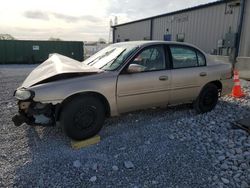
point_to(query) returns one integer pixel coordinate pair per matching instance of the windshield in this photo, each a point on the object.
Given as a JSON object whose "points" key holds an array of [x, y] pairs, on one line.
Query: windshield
{"points": [[110, 58]]}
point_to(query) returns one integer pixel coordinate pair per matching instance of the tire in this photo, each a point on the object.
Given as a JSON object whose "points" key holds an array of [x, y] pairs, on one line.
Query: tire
{"points": [[207, 99], [83, 117]]}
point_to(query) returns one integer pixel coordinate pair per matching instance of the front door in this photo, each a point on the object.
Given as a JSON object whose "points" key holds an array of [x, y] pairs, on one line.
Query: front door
{"points": [[147, 87]]}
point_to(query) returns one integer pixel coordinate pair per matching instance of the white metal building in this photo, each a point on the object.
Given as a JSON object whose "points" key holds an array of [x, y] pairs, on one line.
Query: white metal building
{"points": [[212, 27]]}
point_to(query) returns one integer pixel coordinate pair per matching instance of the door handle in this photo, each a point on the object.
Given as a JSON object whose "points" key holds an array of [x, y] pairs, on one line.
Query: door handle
{"points": [[163, 78], [203, 74]]}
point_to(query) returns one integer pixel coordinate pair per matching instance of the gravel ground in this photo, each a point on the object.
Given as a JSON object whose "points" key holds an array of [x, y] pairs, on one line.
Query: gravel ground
{"points": [[171, 147]]}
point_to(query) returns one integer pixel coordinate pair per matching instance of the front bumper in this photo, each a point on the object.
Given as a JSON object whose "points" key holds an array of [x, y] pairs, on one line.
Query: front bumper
{"points": [[19, 119], [33, 113]]}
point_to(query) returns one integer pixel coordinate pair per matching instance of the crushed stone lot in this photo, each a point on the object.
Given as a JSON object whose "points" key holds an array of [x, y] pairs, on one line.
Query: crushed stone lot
{"points": [[165, 147]]}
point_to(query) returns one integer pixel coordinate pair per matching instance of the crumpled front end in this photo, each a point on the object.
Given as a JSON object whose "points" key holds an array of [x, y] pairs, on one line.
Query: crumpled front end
{"points": [[31, 112], [56, 67]]}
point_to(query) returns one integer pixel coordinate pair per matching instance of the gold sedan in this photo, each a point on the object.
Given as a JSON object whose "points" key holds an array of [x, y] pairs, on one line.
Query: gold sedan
{"points": [[120, 78]]}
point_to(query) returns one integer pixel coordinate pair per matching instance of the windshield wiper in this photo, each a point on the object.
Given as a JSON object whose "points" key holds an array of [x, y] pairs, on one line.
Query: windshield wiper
{"points": [[102, 56], [107, 64]]}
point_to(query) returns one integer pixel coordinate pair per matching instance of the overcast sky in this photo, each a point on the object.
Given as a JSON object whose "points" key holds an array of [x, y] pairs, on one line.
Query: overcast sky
{"points": [[82, 20]]}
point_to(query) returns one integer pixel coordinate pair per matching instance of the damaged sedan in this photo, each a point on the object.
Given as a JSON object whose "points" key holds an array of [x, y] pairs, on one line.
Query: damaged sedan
{"points": [[121, 78]]}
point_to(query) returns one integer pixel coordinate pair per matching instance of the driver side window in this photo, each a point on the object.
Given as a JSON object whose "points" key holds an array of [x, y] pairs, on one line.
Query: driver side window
{"points": [[150, 59]]}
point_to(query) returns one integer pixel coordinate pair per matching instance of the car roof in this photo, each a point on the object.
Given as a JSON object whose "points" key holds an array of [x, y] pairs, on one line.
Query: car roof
{"points": [[152, 42]]}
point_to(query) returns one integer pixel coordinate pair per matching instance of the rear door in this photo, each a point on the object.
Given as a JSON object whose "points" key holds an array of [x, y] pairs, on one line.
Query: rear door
{"points": [[189, 73], [149, 87]]}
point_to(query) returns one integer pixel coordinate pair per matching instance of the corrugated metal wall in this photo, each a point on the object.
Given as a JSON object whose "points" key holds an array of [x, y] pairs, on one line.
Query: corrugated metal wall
{"points": [[202, 27], [135, 31], [245, 36], [24, 51]]}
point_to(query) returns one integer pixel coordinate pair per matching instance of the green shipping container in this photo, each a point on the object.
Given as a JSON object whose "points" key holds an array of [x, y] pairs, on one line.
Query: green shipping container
{"points": [[27, 51]]}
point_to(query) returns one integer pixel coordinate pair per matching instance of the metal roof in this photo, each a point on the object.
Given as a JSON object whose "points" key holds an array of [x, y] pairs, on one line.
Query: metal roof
{"points": [[177, 12]]}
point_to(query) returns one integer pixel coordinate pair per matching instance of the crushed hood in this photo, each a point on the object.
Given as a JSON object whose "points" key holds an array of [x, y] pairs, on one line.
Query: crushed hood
{"points": [[56, 65]]}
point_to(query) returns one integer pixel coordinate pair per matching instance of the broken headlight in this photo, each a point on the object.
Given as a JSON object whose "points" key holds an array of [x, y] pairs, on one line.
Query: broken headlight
{"points": [[24, 94]]}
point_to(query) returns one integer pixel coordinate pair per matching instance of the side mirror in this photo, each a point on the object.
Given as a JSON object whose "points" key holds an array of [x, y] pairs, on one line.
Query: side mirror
{"points": [[135, 68]]}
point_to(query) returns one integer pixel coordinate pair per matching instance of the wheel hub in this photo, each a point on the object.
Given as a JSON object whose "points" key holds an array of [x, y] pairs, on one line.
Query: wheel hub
{"points": [[85, 117], [208, 99]]}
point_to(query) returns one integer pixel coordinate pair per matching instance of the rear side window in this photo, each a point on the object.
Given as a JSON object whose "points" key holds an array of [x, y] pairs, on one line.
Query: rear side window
{"points": [[185, 57]]}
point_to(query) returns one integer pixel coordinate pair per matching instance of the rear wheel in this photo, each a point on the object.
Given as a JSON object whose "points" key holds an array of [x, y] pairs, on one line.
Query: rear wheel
{"points": [[83, 117], [207, 99]]}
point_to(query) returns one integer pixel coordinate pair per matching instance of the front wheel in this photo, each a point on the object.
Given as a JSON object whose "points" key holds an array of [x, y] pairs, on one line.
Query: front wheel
{"points": [[83, 117], [207, 99]]}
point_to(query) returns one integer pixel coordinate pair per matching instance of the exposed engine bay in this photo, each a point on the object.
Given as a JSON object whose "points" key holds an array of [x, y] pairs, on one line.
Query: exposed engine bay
{"points": [[35, 113]]}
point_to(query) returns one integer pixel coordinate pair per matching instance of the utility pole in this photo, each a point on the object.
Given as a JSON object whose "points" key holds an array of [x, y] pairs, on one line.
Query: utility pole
{"points": [[239, 31], [110, 31]]}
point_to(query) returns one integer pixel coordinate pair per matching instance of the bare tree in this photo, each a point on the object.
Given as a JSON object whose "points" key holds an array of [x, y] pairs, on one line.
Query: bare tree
{"points": [[102, 41], [55, 39], [6, 37]]}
